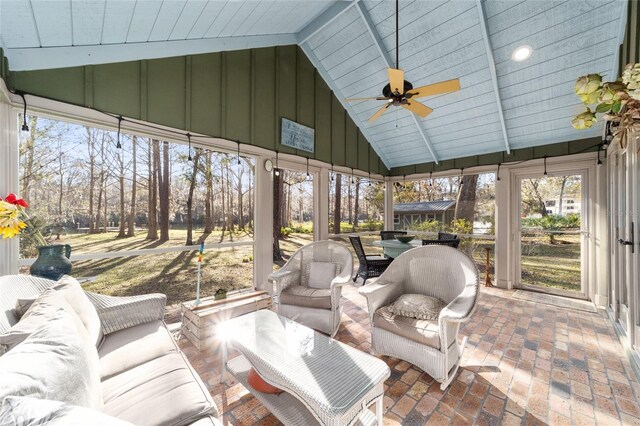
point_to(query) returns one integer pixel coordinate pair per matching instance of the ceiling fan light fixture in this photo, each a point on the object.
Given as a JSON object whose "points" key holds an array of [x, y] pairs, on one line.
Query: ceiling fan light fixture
{"points": [[522, 53]]}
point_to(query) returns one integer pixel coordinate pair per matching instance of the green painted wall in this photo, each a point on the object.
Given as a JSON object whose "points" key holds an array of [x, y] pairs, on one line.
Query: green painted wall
{"points": [[239, 95], [524, 154]]}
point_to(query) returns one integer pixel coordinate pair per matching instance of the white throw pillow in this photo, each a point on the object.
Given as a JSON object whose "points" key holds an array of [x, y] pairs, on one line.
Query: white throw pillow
{"points": [[26, 411], [417, 306], [43, 308], [57, 361], [321, 274], [72, 291]]}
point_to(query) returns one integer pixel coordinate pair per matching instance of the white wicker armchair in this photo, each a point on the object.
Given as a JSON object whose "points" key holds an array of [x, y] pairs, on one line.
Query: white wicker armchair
{"points": [[317, 308], [437, 271]]}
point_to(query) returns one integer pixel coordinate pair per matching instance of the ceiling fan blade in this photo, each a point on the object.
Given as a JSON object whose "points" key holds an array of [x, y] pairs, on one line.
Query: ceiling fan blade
{"points": [[378, 113], [435, 89], [416, 107], [378, 98], [396, 80]]}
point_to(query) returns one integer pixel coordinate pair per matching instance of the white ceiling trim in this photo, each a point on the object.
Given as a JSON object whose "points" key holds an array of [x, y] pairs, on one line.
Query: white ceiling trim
{"points": [[325, 76], [492, 70], [364, 15], [326, 18], [37, 58]]}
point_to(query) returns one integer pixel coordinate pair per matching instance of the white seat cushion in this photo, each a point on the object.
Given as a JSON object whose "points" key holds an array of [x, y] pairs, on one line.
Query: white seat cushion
{"points": [[425, 332], [128, 348], [163, 391]]}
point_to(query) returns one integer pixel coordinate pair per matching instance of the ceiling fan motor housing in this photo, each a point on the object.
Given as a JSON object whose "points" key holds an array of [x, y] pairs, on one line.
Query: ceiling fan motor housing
{"points": [[386, 90]]}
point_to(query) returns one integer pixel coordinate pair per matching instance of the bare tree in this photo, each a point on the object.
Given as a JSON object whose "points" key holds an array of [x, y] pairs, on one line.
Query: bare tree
{"points": [[164, 193], [337, 205], [356, 206], [131, 231], [208, 210], [154, 161], [120, 161], [278, 193], [29, 155], [192, 186], [466, 202]]}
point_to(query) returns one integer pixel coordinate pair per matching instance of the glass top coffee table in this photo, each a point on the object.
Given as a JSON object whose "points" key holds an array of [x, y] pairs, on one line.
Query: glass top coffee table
{"points": [[325, 381]]}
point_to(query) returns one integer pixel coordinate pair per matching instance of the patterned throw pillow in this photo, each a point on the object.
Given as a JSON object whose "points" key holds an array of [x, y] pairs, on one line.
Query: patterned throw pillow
{"points": [[417, 306]]}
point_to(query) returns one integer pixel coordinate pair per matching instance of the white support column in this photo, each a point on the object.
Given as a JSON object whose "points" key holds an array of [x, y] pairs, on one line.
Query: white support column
{"points": [[263, 226], [601, 238], [9, 157], [388, 205], [322, 218], [503, 257]]}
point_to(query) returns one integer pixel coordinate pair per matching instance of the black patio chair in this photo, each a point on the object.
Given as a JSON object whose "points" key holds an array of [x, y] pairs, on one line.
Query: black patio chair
{"points": [[451, 243], [370, 265], [391, 235], [446, 236]]}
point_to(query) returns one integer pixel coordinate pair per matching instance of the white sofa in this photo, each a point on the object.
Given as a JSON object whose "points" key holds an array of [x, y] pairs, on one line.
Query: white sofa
{"points": [[144, 378]]}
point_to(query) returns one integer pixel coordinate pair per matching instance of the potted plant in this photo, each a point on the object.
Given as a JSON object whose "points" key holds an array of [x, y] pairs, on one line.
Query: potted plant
{"points": [[618, 100], [53, 260]]}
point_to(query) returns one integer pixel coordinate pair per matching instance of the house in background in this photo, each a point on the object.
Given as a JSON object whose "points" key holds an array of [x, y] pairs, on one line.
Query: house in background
{"points": [[408, 215], [568, 206]]}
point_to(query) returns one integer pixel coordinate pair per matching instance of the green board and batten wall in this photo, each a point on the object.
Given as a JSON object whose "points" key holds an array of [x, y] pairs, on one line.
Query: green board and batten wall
{"points": [[238, 95]]}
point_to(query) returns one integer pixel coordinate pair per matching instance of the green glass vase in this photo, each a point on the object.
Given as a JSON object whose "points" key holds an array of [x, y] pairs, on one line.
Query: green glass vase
{"points": [[52, 262]]}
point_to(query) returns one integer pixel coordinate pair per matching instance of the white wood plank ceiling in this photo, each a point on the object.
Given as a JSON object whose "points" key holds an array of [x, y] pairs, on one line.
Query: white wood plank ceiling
{"points": [[502, 105]]}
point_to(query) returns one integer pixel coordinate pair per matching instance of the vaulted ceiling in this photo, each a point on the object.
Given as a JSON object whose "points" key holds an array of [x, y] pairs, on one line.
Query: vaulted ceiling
{"points": [[502, 105]]}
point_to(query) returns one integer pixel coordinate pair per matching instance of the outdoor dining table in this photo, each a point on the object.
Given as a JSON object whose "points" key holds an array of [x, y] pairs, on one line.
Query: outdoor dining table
{"points": [[394, 248]]}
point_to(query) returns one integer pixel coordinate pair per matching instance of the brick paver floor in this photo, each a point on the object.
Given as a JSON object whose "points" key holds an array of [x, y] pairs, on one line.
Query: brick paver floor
{"points": [[525, 363]]}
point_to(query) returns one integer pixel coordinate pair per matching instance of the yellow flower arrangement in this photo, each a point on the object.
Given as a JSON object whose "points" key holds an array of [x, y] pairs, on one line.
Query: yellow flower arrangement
{"points": [[14, 219]]}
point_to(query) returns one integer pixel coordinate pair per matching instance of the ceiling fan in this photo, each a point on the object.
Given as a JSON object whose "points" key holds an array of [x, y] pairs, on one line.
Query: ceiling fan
{"points": [[400, 92]]}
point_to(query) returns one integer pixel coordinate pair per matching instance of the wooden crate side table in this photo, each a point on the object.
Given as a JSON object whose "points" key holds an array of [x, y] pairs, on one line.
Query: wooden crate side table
{"points": [[199, 322]]}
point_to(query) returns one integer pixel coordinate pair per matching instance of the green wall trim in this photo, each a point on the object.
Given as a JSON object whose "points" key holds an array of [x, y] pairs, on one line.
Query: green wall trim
{"points": [[238, 95], [524, 154]]}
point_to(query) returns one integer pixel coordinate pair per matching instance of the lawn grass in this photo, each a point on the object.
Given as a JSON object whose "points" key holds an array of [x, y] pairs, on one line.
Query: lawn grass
{"points": [[174, 274], [552, 265]]}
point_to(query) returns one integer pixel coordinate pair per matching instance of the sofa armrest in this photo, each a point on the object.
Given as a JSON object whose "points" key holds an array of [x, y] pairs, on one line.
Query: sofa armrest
{"points": [[118, 313]]}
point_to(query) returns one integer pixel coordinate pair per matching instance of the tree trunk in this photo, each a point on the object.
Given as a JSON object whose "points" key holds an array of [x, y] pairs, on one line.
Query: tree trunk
{"points": [[121, 233], [349, 209], [356, 204], [240, 204], [164, 194], [27, 177], [230, 195], [337, 207], [105, 218], [192, 187], [563, 185], [102, 187], [208, 213], [131, 231], [278, 193], [466, 201], [92, 178], [154, 161], [223, 190]]}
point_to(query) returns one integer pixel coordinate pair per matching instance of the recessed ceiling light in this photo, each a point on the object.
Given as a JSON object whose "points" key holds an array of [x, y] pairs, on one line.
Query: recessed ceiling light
{"points": [[521, 53]]}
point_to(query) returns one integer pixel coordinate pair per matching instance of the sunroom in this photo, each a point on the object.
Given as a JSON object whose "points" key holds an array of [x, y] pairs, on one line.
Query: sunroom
{"points": [[195, 150]]}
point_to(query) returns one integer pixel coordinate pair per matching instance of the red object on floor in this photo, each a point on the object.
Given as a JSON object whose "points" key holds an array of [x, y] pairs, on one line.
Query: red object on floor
{"points": [[256, 382]]}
